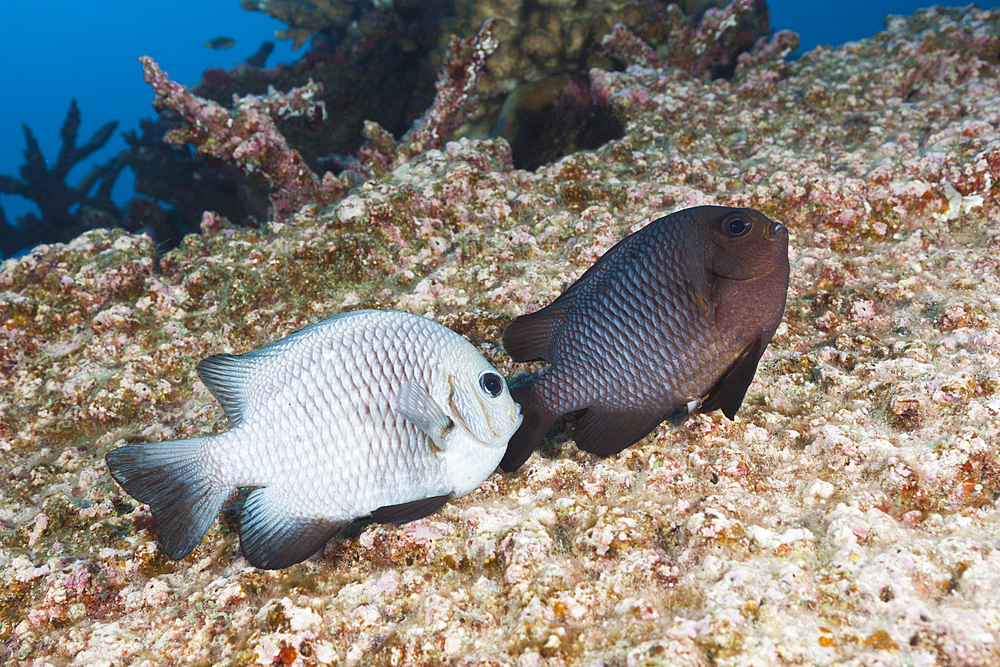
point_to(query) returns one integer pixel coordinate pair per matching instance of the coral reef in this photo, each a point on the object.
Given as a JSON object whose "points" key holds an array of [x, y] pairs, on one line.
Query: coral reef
{"points": [[377, 69], [66, 211], [543, 45], [305, 17], [848, 516], [248, 138], [538, 44]]}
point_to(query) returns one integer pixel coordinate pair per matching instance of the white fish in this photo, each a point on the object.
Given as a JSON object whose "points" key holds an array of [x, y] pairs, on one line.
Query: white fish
{"points": [[370, 416]]}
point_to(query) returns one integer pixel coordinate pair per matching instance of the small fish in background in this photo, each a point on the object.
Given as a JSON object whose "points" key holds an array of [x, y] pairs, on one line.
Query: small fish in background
{"points": [[370, 416], [220, 43], [671, 321]]}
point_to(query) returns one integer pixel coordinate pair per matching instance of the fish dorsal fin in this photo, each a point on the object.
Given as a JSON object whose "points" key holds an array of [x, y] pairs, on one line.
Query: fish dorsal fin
{"points": [[528, 337], [605, 432], [228, 377], [731, 387], [232, 378], [414, 403], [411, 511]]}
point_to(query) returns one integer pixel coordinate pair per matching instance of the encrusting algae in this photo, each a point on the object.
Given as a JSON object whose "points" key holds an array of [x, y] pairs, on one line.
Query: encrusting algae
{"points": [[847, 516]]}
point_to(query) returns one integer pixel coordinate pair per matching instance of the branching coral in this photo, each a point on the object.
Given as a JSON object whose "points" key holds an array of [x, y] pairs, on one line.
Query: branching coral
{"points": [[49, 190], [248, 138], [456, 94], [710, 48], [625, 46]]}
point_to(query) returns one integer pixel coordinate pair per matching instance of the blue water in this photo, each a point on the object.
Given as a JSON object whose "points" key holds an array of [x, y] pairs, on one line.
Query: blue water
{"points": [[54, 51], [57, 50]]}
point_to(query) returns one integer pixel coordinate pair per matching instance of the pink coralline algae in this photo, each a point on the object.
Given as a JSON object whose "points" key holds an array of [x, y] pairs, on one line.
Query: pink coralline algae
{"points": [[848, 516], [248, 138], [709, 47], [456, 94], [625, 46]]}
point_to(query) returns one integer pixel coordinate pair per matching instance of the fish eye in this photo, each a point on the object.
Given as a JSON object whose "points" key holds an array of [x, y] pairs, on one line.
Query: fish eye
{"points": [[491, 383], [736, 225]]}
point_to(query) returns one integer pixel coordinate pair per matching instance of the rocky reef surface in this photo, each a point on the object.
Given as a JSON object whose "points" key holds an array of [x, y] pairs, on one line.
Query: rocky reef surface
{"points": [[847, 516]]}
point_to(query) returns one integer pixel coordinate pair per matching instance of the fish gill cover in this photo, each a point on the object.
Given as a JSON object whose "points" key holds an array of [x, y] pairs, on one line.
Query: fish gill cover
{"points": [[848, 515]]}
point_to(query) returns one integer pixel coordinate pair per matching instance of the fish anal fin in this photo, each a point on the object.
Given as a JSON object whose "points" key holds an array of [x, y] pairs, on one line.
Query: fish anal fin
{"points": [[605, 432], [728, 391], [528, 337], [410, 511], [272, 538]]}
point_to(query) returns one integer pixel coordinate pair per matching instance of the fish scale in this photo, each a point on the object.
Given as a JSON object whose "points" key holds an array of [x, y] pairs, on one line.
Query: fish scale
{"points": [[321, 430], [673, 318]]}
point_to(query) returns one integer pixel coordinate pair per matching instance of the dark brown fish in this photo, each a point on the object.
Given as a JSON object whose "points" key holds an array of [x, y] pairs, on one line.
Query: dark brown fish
{"points": [[670, 321]]}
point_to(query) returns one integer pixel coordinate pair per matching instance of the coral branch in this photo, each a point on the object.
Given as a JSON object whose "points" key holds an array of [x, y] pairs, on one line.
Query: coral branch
{"points": [[48, 188], [456, 96], [769, 49], [456, 88], [248, 137], [624, 45], [70, 154]]}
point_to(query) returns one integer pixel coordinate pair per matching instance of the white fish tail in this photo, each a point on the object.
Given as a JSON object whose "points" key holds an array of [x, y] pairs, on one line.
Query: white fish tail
{"points": [[170, 478]]}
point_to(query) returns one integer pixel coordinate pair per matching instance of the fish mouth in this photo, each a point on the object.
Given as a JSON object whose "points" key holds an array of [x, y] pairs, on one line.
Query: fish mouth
{"points": [[774, 230]]}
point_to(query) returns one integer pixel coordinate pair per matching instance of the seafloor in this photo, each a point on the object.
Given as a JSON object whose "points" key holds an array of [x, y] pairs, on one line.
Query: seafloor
{"points": [[848, 516]]}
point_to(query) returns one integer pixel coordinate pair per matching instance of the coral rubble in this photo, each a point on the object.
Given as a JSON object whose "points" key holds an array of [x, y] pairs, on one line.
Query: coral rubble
{"points": [[848, 516]]}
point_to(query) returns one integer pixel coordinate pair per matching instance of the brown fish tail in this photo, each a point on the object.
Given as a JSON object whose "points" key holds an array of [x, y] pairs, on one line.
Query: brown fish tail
{"points": [[169, 477], [536, 424]]}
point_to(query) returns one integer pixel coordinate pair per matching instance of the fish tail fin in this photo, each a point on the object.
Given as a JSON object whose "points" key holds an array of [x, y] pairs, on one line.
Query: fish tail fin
{"points": [[536, 424], [171, 479]]}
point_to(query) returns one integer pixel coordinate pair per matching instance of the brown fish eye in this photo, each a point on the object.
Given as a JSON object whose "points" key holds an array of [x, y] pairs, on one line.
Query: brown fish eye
{"points": [[735, 225], [491, 383]]}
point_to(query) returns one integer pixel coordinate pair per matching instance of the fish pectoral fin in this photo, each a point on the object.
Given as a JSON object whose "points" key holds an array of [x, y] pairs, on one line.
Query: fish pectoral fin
{"points": [[728, 391], [605, 432], [411, 511], [272, 538], [414, 403]]}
